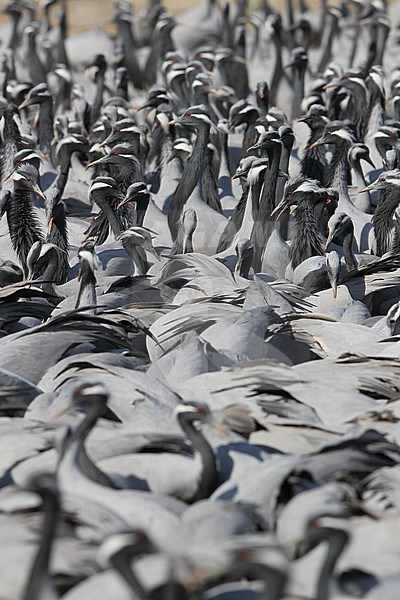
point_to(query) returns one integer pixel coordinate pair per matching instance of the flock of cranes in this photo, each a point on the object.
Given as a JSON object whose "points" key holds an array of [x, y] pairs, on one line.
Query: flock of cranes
{"points": [[200, 303]]}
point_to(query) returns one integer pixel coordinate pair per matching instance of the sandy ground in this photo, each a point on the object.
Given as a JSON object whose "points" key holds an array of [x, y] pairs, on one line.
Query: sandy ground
{"points": [[94, 13], [86, 14]]}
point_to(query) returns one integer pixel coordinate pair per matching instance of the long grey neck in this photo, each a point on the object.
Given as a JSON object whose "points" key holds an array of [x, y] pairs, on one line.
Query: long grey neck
{"points": [[348, 252], [382, 219], [76, 447], [23, 224], [14, 41], [87, 293], [98, 99], [49, 275], [45, 127], [382, 37], [39, 581], [224, 168], [250, 134], [274, 580], [11, 137], [267, 201], [363, 199], [284, 166], [207, 481], [121, 563], [376, 116], [327, 43], [111, 216], [138, 256], [278, 68], [190, 178], [339, 176], [337, 541], [306, 240], [358, 108], [298, 91]]}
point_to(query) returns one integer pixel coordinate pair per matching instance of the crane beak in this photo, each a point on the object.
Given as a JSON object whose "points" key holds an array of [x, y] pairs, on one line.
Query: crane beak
{"points": [[23, 104], [37, 154], [125, 201], [93, 163], [169, 159], [154, 253], [334, 284], [105, 142], [369, 188], [49, 224], [39, 192], [172, 122], [283, 174], [331, 84], [280, 209], [238, 265], [329, 239], [319, 142], [252, 148], [79, 277]]}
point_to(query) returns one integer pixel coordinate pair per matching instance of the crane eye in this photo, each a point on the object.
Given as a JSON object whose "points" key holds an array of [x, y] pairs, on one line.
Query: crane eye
{"points": [[188, 114], [116, 153], [117, 131], [27, 178]]}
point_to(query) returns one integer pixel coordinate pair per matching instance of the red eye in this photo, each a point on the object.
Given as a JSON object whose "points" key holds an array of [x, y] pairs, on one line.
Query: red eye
{"points": [[317, 115], [188, 114], [27, 178], [117, 131], [116, 153]]}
